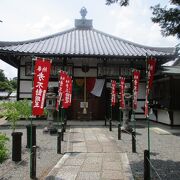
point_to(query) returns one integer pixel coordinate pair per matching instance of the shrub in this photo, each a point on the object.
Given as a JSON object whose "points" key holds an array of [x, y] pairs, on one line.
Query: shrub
{"points": [[13, 111], [3, 149]]}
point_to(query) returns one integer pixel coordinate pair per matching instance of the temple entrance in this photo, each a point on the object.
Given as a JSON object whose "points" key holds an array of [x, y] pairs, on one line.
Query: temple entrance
{"points": [[83, 98]]}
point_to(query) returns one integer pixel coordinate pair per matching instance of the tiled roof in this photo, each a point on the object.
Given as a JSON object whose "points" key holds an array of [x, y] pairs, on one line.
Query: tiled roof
{"points": [[83, 42]]}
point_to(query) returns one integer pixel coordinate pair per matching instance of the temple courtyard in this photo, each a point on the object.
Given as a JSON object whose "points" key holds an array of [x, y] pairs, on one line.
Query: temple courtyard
{"points": [[90, 151]]}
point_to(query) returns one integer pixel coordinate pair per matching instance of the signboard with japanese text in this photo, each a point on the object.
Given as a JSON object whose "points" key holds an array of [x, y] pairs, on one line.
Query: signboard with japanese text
{"points": [[122, 92], [41, 79], [136, 77], [67, 93], [113, 70], [151, 64], [61, 89], [113, 92], [83, 104]]}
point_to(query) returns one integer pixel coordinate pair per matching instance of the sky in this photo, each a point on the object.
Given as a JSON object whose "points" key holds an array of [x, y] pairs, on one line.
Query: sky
{"points": [[25, 20]]}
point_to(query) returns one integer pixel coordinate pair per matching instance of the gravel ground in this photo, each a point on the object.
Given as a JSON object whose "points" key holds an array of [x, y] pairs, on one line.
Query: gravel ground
{"points": [[165, 152], [47, 156]]}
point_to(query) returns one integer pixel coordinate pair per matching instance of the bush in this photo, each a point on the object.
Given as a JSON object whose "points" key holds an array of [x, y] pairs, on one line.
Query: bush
{"points": [[24, 107], [3, 149], [13, 111]]}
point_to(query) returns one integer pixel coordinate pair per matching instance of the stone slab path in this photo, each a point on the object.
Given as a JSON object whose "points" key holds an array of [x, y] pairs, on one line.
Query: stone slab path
{"points": [[91, 155]]}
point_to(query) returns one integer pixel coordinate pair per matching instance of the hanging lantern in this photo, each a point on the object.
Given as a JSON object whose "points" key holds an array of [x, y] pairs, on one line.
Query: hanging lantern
{"points": [[85, 68]]}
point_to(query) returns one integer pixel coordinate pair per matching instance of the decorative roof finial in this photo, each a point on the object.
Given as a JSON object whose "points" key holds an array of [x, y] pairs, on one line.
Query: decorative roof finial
{"points": [[83, 12]]}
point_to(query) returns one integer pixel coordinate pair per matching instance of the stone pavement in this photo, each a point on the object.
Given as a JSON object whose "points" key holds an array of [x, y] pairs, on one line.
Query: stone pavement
{"points": [[91, 155]]}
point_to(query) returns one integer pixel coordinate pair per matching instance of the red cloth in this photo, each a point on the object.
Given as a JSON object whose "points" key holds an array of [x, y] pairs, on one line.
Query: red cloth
{"points": [[151, 62], [68, 93], [113, 92], [90, 82], [136, 77], [41, 79], [61, 90], [122, 92], [151, 69]]}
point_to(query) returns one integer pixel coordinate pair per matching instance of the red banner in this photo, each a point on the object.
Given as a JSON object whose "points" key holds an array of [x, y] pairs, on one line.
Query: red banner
{"points": [[151, 69], [61, 89], [136, 77], [122, 92], [41, 79], [151, 64], [67, 93], [113, 92]]}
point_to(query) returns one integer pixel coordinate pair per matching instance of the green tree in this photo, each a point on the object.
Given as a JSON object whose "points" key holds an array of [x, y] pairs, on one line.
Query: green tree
{"points": [[3, 78], [13, 83], [167, 18], [5, 86]]}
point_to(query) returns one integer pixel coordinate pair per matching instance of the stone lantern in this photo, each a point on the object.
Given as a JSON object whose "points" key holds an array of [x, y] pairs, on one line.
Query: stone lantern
{"points": [[126, 118], [50, 103]]}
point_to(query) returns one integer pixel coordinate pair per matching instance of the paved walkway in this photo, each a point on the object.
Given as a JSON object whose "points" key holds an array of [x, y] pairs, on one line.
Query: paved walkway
{"points": [[91, 155]]}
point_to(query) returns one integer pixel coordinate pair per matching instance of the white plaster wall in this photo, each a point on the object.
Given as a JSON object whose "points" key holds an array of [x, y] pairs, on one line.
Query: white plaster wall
{"points": [[152, 117], [139, 116], [163, 116], [176, 117], [25, 59], [25, 96], [139, 107], [142, 92], [23, 75], [25, 86]]}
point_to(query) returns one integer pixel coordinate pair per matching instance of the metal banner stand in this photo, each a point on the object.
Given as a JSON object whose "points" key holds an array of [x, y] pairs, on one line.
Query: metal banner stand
{"points": [[147, 174], [119, 124], [32, 174]]}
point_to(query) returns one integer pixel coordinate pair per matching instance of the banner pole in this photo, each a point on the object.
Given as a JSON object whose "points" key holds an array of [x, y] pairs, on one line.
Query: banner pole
{"points": [[147, 118], [133, 112], [119, 102], [32, 72]]}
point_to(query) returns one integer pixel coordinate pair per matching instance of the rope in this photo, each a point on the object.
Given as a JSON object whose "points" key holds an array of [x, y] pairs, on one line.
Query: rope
{"points": [[142, 153], [154, 169]]}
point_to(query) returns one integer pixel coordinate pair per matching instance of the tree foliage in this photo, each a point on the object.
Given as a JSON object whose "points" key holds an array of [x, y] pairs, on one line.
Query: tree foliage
{"points": [[13, 111], [121, 2], [5, 84], [3, 78], [167, 18], [3, 148]]}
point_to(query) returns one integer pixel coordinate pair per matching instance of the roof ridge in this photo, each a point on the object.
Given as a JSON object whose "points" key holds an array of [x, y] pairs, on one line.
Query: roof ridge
{"points": [[136, 44], [10, 43]]}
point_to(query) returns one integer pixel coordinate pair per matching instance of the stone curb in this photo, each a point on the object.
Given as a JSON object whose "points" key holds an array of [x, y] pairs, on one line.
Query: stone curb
{"points": [[52, 174]]}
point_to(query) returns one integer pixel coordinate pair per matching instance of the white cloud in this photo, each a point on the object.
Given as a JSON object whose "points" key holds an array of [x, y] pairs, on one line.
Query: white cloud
{"points": [[9, 71], [47, 26], [134, 24]]}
